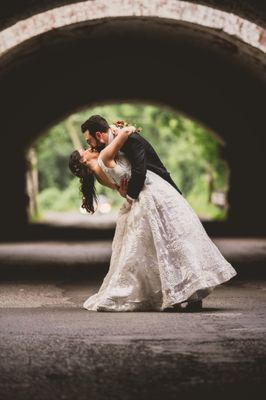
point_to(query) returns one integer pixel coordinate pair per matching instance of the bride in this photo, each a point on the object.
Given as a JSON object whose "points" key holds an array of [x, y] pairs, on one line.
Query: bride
{"points": [[162, 257]]}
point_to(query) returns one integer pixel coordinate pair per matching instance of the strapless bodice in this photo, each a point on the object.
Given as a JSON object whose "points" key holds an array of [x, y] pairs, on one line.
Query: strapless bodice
{"points": [[122, 169]]}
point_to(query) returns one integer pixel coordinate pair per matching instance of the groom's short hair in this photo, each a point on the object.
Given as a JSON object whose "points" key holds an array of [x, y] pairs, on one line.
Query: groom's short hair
{"points": [[96, 123]]}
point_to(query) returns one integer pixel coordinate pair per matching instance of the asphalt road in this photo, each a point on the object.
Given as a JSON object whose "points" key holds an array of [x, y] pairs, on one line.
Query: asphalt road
{"points": [[52, 348], [88, 259]]}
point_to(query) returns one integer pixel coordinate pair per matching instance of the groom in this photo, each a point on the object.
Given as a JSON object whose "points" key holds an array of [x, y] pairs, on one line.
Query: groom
{"points": [[140, 153]]}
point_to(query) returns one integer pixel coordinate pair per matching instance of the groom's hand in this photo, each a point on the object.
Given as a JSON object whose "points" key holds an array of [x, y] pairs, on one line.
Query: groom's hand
{"points": [[123, 187]]}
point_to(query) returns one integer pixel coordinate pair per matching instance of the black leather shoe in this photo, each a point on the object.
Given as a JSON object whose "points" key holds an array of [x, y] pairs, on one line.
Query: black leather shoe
{"points": [[194, 306], [175, 308]]}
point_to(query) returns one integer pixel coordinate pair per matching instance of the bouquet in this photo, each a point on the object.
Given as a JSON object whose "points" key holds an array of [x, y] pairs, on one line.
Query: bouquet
{"points": [[121, 124]]}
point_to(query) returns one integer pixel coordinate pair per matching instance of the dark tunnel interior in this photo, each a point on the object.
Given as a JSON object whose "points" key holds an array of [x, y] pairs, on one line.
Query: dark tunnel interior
{"points": [[208, 75]]}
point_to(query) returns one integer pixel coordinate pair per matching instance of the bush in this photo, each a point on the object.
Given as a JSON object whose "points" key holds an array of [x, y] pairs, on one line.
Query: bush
{"points": [[60, 200], [47, 198], [187, 149]]}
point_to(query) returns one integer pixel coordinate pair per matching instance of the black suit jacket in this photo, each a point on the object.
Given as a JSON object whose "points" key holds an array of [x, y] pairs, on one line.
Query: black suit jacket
{"points": [[142, 156]]}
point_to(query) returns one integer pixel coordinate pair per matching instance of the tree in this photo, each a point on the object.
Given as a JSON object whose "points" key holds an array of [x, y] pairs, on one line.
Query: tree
{"points": [[188, 150]]}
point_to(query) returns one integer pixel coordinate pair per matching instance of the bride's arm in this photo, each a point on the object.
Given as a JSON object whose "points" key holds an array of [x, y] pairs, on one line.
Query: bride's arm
{"points": [[110, 151]]}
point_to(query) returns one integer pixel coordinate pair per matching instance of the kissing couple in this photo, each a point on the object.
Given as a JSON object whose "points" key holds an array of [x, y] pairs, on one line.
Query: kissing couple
{"points": [[162, 257]]}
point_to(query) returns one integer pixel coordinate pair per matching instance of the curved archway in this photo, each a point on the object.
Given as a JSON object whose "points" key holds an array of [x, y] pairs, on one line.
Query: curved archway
{"points": [[15, 10], [181, 11], [188, 150], [205, 74]]}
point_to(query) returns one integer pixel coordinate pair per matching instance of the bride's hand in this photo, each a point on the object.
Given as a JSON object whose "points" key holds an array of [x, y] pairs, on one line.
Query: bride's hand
{"points": [[127, 129], [130, 129], [114, 129]]}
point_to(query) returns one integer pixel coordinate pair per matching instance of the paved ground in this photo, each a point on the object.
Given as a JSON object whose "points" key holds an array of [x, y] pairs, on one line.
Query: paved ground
{"points": [[78, 219], [85, 259], [52, 348]]}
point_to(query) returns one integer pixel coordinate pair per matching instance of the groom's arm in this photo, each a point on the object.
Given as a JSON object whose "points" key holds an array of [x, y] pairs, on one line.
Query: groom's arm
{"points": [[135, 152]]}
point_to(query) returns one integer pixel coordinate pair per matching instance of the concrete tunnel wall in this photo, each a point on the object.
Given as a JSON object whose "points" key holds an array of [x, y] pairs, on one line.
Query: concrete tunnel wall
{"points": [[214, 78]]}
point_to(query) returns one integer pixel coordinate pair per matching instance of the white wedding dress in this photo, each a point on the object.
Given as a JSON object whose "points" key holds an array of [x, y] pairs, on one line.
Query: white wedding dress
{"points": [[161, 253]]}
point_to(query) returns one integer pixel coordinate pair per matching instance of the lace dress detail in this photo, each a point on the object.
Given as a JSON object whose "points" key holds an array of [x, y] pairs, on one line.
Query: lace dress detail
{"points": [[161, 253], [121, 170]]}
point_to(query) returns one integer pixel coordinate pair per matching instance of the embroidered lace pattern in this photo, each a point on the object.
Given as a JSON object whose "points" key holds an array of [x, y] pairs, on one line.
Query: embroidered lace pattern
{"points": [[161, 253]]}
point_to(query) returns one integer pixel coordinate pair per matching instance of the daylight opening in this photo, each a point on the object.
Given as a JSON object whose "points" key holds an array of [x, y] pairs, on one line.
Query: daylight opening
{"points": [[190, 152]]}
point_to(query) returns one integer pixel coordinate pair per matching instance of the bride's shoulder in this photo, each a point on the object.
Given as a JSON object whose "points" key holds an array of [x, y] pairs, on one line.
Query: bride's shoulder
{"points": [[100, 162], [105, 164]]}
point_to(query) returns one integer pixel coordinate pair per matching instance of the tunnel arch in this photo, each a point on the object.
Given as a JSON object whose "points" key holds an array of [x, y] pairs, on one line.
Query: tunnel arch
{"points": [[214, 78], [15, 10], [181, 11]]}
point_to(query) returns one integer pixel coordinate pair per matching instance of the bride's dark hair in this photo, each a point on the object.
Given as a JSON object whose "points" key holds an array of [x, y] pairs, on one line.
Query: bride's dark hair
{"points": [[87, 181]]}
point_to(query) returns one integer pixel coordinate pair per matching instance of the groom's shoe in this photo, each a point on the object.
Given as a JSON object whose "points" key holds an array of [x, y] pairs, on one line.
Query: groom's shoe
{"points": [[178, 307], [194, 306]]}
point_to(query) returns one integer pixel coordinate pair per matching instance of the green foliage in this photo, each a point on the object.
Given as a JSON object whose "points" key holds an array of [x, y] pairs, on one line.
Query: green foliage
{"points": [[60, 200], [198, 199], [53, 149], [188, 150]]}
